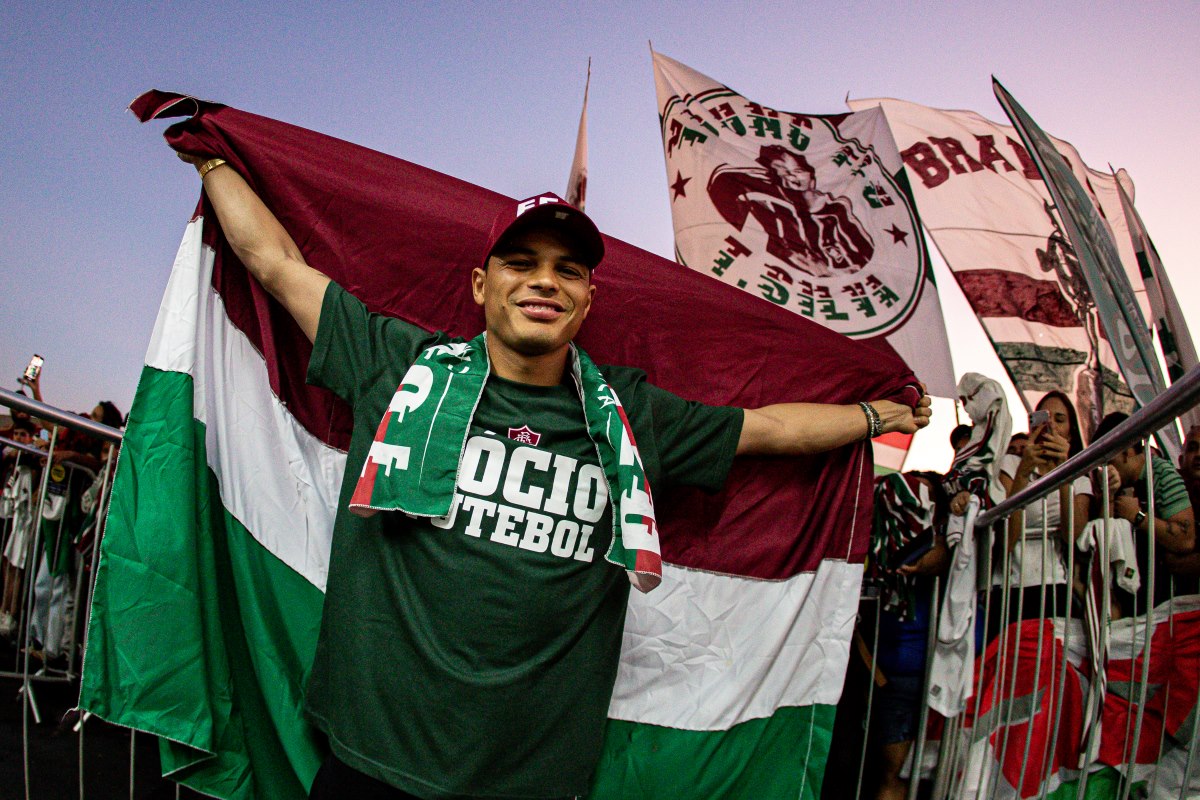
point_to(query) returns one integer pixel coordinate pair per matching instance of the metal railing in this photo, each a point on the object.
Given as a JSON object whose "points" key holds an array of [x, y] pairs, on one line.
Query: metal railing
{"points": [[984, 751], [34, 408], [1183, 395], [76, 625]]}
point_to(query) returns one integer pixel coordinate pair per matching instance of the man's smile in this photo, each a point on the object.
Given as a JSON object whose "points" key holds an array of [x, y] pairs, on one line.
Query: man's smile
{"points": [[541, 309]]}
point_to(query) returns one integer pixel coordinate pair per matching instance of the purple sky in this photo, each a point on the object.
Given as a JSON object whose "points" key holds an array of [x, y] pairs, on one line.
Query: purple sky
{"points": [[92, 205]]}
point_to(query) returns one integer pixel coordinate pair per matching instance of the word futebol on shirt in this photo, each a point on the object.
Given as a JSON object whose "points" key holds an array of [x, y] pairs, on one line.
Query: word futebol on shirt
{"points": [[504, 501]]}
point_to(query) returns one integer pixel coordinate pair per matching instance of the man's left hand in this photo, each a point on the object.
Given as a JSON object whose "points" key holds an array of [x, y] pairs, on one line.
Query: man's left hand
{"points": [[898, 417]]}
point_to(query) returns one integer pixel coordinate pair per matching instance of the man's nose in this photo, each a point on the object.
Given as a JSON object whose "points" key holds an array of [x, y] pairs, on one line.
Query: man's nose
{"points": [[545, 276]]}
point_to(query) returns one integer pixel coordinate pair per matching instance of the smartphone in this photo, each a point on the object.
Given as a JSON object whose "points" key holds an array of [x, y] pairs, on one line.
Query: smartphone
{"points": [[34, 369], [1038, 418]]}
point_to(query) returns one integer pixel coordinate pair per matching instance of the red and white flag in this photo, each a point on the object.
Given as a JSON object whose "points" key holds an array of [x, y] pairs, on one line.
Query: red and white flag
{"points": [[989, 213], [890, 451], [1031, 736], [808, 212], [577, 182]]}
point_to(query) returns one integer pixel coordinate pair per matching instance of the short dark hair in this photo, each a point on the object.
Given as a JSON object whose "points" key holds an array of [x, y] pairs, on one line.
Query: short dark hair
{"points": [[959, 433], [23, 424], [941, 500], [1016, 436], [1110, 422], [111, 417]]}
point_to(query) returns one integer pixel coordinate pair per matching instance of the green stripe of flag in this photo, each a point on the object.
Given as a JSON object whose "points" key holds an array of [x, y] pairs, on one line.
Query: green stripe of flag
{"points": [[198, 634], [1103, 784], [782, 756]]}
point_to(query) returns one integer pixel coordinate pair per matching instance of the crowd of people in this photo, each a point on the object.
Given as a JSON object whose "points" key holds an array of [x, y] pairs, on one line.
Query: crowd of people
{"points": [[920, 519], [49, 512], [1040, 562]]}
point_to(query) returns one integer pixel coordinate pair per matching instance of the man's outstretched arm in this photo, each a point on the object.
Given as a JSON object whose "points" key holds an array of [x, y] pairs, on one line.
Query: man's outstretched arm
{"points": [[262, 244], [794, 429]]}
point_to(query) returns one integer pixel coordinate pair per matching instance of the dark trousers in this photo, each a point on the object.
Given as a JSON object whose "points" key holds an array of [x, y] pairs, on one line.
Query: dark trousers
{"points": [[336, 780], [1058, 597]]}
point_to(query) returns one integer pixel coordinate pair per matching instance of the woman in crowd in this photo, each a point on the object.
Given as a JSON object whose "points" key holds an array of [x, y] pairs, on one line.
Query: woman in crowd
{"points": [[1050, 443], [16, 509]]}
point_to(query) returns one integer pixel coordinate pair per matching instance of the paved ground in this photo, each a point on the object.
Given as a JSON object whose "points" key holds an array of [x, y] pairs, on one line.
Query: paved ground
{"points": [[54, 749]]}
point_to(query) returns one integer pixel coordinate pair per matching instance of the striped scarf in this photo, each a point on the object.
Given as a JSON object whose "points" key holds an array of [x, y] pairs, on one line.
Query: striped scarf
{"points": [[413, 463]]}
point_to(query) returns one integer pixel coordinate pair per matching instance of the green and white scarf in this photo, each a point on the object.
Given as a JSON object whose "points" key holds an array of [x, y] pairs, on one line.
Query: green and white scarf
{"points": [[413, 464]]}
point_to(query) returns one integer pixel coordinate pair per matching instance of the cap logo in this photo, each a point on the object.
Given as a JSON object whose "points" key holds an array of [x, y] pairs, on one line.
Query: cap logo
{"points": [[534, 202]]}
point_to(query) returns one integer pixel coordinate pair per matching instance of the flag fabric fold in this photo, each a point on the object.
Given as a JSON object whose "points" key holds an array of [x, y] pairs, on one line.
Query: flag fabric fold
{"points": [[1028, 699], [211, 575], [1174, 339]]}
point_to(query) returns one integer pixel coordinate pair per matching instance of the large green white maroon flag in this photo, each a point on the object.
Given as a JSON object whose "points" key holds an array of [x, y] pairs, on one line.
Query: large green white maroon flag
{"points": [[809, 212], [211, 581], [209, 587], [990, 215]]}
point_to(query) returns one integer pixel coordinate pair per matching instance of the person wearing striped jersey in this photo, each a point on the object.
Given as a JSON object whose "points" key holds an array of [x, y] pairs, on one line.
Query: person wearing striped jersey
{"points": [[1173, 524]]}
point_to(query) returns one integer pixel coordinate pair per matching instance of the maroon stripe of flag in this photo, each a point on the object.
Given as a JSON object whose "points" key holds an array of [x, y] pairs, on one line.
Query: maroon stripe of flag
{"points": [[1003, 293]]}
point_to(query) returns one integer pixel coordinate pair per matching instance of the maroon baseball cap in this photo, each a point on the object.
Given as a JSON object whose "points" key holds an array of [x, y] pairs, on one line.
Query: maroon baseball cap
{"points": [[547, 210]]}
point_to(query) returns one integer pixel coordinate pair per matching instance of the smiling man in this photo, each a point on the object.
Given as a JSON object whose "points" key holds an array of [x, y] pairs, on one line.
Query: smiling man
{"points": [[471, 631]]}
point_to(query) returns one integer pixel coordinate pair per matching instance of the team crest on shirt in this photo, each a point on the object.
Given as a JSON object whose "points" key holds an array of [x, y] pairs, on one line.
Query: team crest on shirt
{"points": [[524, 435]]}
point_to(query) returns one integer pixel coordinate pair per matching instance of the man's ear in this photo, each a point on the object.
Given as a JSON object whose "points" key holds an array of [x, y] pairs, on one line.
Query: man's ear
{"points": [[478, 279], [591, 299]]}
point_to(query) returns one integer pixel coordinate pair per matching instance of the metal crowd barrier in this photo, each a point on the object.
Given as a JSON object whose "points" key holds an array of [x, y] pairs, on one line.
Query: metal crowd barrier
{"points": [[75, 621], [970, 762], [964, 768]]}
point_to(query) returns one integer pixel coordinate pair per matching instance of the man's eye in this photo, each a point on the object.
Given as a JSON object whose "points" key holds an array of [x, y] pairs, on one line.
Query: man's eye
{"points": [[519, 263], [571, 271]]}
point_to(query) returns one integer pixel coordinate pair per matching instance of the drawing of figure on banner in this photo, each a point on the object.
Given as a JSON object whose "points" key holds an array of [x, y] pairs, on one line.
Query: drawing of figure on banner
{"points": [[813, 231], [811, 212]]}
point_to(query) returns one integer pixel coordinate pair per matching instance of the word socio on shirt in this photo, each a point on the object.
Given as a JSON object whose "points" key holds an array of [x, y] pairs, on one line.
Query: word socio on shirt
{"points": [[528, 497]]}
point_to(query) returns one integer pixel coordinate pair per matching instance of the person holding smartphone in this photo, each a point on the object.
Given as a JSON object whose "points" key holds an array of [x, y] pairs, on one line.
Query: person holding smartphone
{"points": [[1054, 436], [1171, 522]]}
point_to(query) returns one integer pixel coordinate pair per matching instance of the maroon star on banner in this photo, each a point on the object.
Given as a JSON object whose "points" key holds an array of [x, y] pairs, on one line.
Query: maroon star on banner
{"points": [[898, 236], [677, 186]]}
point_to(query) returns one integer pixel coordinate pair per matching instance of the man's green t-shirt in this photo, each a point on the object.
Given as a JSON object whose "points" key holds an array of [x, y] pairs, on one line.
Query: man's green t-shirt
{"points": [[475, 655]]}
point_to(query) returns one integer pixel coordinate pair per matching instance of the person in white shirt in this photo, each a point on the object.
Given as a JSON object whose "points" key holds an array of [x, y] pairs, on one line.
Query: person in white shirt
{"points": [[16, 507], [1049, 444]]}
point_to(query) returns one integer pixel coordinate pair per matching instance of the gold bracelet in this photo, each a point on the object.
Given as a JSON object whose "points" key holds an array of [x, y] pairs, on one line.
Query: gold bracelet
{"points": [[209, 166]]}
